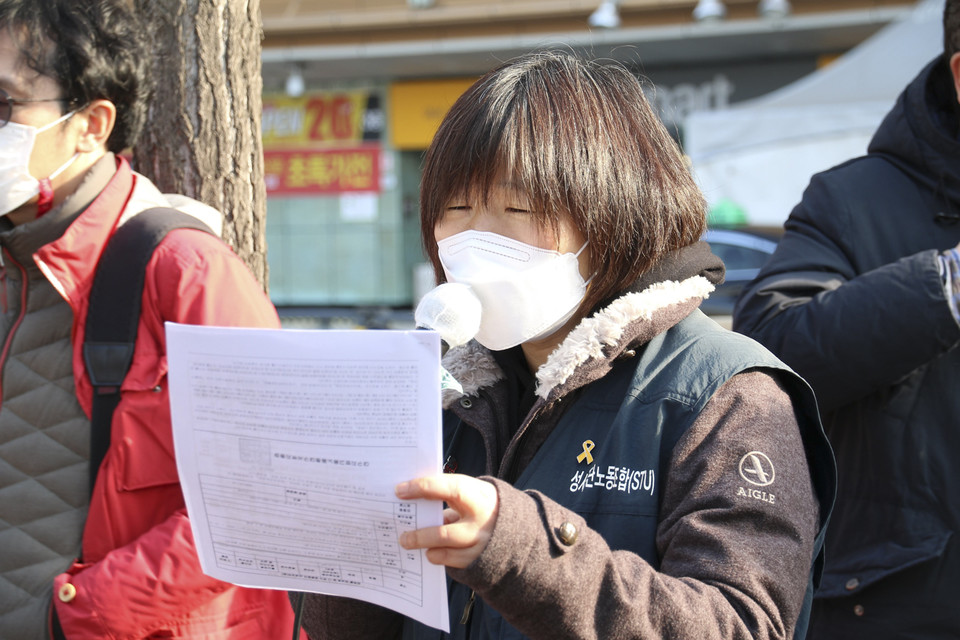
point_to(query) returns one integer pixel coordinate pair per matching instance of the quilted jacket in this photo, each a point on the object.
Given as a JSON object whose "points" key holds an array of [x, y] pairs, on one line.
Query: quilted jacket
{"points": [[137, 574]]}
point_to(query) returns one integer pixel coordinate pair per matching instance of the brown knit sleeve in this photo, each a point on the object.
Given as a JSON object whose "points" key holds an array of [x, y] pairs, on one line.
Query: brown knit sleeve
{"points": [[739, 509]]}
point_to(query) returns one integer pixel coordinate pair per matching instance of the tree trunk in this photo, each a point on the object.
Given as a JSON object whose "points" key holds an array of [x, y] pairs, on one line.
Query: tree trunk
{"points": [[202, 137]]}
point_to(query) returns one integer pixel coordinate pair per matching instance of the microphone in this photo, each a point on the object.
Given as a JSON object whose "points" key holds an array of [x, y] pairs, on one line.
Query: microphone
{"points": [[451, 309]]}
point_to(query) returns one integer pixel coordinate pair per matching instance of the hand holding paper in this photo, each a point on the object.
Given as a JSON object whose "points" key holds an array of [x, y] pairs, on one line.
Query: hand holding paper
{"points": [[468, 522]]}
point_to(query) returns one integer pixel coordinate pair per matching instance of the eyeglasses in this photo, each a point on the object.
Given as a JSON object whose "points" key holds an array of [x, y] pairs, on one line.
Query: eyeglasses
{"points": [[7, 104]]}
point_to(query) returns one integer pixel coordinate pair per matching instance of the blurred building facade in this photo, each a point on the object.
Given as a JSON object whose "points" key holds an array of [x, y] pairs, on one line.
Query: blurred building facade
{"points": [[354, 90]]}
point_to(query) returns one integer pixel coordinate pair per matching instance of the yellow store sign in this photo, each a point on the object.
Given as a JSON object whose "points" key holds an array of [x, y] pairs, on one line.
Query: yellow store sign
{"points": [[418, 107]]}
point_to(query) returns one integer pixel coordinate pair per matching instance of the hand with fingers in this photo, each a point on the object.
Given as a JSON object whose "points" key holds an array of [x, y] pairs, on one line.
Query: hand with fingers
{"points": [[468, 520]]}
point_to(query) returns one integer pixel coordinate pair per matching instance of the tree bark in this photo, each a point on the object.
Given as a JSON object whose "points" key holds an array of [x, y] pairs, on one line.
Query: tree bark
{"points": [[202, 137]]}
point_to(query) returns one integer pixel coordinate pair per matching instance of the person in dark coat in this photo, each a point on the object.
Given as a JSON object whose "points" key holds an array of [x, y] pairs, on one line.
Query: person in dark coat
{"points": [[860, 298]]}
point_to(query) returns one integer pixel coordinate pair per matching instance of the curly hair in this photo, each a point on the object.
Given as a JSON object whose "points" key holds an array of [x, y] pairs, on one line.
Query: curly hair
{"points": [[93, 49]]}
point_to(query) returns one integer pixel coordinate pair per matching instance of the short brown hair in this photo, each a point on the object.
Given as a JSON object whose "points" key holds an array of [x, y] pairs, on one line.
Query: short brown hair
{"points": [[576, 136]]}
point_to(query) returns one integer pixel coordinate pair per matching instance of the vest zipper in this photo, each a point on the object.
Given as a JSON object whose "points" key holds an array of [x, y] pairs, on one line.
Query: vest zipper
{"points": [[468, 608], [534, 413], [20, 316], [509, 472], [3, 284]]}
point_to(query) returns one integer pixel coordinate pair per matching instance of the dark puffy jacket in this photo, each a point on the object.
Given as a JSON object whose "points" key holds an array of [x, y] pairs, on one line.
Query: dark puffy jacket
{"points": [[853, 300]]}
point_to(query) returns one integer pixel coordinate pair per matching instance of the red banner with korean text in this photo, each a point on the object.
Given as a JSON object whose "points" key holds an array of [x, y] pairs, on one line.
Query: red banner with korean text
{"points": [[306, 171]]}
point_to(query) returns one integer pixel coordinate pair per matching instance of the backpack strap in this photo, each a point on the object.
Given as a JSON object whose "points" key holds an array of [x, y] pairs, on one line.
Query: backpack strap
{"points": [[114, 314]]}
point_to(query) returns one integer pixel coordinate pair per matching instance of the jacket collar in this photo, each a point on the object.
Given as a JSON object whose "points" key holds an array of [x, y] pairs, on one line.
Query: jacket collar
{"points": [[24, 240], [589, 351], [69, 261]]}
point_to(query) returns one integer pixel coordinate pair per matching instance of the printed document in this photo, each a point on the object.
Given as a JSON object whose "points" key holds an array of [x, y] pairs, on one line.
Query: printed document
{"points": [[289, 444]]}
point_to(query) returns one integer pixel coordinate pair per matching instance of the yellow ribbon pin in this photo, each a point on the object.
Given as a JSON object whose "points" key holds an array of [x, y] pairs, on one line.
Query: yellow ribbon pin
{"points": [[587, 448]]}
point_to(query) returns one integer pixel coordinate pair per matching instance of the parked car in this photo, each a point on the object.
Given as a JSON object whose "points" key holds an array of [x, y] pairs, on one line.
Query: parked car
{"points": [[743, 251]]}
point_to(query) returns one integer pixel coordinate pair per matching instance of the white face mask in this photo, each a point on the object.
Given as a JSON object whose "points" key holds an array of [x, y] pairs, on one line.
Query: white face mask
{"points": [[16, 184], [525, 292]]}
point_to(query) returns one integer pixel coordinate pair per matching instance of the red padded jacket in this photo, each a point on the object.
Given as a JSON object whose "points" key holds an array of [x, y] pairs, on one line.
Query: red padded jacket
{"points": [[140, 576]]}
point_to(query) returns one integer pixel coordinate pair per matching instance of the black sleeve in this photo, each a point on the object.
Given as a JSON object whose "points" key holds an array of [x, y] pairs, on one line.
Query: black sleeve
{"points": [[847, 325]]}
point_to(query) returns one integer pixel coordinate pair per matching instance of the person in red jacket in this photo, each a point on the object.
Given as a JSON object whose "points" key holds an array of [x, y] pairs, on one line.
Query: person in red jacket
{"points": [[120, 563]]}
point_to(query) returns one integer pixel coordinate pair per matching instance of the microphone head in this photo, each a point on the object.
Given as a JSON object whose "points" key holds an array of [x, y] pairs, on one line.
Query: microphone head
{"points": [[451, 309]]}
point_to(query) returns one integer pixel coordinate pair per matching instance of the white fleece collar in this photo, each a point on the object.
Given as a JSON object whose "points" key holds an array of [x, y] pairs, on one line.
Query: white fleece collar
{"points": [[474, 367]]}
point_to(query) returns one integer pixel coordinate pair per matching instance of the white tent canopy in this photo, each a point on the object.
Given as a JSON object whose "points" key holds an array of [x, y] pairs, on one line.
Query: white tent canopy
{"points": [[759, 155]]}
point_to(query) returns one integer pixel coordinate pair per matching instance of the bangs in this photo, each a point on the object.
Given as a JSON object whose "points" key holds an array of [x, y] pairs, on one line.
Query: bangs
{"points": [[505, 127], [549, 125]]}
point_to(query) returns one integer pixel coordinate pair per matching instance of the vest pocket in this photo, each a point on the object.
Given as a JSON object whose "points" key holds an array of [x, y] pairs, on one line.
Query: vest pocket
{"points": [[857, 559], [144, 445]]}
